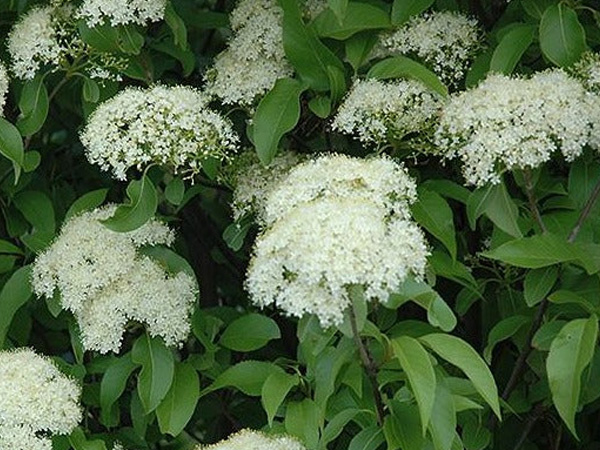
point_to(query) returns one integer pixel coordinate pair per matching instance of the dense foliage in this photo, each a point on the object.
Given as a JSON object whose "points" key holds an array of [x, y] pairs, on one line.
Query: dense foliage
{"points": [[299, 224]]}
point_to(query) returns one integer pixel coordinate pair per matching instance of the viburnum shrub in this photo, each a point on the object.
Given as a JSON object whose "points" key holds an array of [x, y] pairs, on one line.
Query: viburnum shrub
{"points": [[299, 224]]}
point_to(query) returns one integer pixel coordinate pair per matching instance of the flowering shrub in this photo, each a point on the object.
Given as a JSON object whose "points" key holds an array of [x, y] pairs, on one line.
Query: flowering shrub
{"points": [[299, 225]]}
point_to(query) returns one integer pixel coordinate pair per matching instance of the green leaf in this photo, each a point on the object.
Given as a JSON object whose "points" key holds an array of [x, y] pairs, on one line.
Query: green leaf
{"points": [[177, 26], [142, 205], [156, 376], [15, 293], [415, 362], [321, 106], [570, 353], [31, 161], [402, 10], [542, 339], [177, 408], [462, 355], [402, 427], [338, 7], [276, 114], [511, 47], [535, 252], [113, 383], [309, 56], [102, 37], [562, 37], [358, 48], [249, 332], [501, 331], [403, 67], [174, 191], [434, 214], [358, 17], [538, 283], [236, 232], [303, 420], [247, 376], [87, 202], [170, 261], [336, 425], [273, 393], [443, 419], [38, 210], [368, 439], [495, 202], [131, 40], [439, 313], [90, 90], [536, 8], [11, 146], [449, 189], [79, 441], [564, 296], [33, 104]]}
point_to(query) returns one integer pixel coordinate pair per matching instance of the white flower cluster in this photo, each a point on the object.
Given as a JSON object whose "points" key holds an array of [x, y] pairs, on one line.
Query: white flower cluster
{"points": [[380, 180], [255, 440], [33, 42], [4, 80], [170, 126], [517, 123], [445, 41], [36, 400], [254, 181], [254, 58], [105, 281], [588, 71], [376, 111], [121, 12], [333, 223]]}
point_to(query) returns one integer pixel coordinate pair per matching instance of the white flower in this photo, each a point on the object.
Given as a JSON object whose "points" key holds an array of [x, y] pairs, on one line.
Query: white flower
{"points": [[307, 260], [254, 181], [445, 41], [254, 58], [36, 399], [170, 126], [105, 281], [588, 71], [4, 80], [517, 123], [33, 42], [380, 180], [121, 12], [376, 111], [255, 440]]}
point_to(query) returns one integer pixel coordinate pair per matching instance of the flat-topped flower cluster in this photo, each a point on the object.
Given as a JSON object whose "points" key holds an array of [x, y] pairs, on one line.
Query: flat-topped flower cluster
{"points": [[255, 440], [332, 223], [105, 281]]}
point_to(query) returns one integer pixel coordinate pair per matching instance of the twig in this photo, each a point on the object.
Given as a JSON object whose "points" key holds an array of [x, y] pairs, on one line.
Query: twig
{"points": [[585, 213], [536, 414], [535, 212], [369, 365]]}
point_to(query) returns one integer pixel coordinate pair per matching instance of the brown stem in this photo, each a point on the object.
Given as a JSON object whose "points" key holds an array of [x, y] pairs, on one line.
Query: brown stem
{"points": [[535, 212], [585, 213], [369, 365]]}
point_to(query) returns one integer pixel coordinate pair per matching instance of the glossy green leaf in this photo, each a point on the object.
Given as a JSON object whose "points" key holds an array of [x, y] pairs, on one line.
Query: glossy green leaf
{"points": [[235, 233], [501, 331], [511, 47], [367, 439], [402, 428], [15, 293], [459, 353], [538, 284], [535, 252], [321, 106], [274, 391], [357, 17], [403, 67], [143, 201], [402, 10], [303, 420], [114, 382], [433, 213], [358, 48], [34, 105], [570, 353], [336, 425], [90, 90], [249, 332], [86, 202], [156, 376], [177, 26], [303, 49], [338, 7], [495, 202], [536, 8], [174, 191], [416, 363], [443, 419], [247, 376], [38, 210], [11, 145], [276, 114], [178, 406], [562, 37]]}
